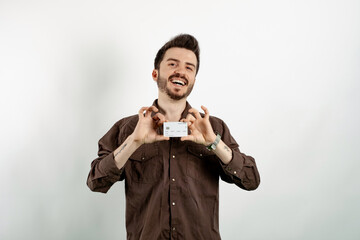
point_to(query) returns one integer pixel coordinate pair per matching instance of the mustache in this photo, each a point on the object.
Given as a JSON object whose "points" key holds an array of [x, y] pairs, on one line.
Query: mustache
{"points": [[178, 75]]}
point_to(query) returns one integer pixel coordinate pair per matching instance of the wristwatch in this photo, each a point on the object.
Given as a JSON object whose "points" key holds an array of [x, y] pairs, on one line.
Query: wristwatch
{"points": [[212, 146]]}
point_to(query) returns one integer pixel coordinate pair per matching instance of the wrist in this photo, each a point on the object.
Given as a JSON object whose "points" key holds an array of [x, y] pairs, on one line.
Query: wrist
{"points": [[136, 142], [210, 140], [213, 144]]}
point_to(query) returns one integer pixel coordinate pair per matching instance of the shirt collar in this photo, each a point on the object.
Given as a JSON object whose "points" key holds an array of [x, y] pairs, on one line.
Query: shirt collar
{"points": [[183, 114]]}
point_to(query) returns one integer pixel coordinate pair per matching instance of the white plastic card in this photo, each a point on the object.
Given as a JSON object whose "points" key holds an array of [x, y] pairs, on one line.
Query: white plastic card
{"points": [[175, 129]]}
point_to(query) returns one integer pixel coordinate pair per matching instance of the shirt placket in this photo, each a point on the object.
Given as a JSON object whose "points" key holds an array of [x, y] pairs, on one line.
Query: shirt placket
{"points": [[173, 190]]}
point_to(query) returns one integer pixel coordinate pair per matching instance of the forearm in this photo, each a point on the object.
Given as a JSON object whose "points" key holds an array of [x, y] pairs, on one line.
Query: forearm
{"points": [[125, 150], [223, 152]]}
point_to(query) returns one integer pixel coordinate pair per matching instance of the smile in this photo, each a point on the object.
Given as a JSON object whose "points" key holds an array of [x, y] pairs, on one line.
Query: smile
{"points": [[179, 82]]}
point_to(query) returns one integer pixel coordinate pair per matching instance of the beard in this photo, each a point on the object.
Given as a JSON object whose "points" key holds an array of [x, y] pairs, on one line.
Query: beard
{"points": [[162, 85]]}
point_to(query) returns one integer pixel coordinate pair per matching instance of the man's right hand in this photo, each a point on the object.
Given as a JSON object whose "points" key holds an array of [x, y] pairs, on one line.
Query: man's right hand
{"points": [[145, 130]]}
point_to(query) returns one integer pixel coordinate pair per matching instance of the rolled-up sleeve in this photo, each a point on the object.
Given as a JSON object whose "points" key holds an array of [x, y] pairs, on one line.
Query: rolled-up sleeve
{"points": [[242, 169], [104, 173]]}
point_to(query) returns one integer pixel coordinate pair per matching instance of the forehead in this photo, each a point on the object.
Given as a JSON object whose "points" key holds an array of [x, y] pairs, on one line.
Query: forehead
{"points": [[181, 54]]}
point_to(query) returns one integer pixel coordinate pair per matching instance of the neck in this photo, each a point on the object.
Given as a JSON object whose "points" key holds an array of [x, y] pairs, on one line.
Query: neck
{"points": [[172, 108]]}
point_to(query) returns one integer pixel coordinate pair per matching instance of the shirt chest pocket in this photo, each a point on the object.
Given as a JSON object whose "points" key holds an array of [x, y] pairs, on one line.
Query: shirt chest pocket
{"points": [[145, 164], [201, 163]]}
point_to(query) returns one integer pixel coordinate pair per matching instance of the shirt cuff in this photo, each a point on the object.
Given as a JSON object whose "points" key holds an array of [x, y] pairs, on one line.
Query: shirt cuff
{"points": [[235, 166], [109, 168]]}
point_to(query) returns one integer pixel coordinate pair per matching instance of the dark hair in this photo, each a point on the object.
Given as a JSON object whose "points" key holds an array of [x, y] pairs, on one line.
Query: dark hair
{"points": [[181, 41]]}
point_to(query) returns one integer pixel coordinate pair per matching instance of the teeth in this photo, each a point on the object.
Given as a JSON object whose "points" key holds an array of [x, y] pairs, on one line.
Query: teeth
{"points": [[178, 82]]}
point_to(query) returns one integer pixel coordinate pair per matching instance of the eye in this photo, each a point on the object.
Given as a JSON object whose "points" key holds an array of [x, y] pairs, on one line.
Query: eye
{"points": [[171, 64], [190, 68]]}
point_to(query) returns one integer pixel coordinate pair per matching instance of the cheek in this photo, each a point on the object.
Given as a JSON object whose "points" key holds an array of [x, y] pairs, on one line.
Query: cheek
{"points": [[165, 74]]}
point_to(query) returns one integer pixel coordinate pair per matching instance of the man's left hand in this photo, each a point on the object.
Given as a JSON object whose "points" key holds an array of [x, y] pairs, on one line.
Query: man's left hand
{"points": [[200, 127]]}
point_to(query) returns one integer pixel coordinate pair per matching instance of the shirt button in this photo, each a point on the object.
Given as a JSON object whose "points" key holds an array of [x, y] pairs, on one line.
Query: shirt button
{"points": [[173, 203], [200, 154], [173, 179], [173, 156], [174, 229], [142, 158], [234, 172]]}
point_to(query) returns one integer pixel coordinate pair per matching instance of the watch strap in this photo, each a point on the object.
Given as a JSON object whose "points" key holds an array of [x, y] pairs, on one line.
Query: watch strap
{"points": [[215, 143]]}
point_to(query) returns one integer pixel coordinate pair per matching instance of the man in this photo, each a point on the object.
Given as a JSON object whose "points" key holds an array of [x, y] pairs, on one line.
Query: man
{"points": [[171, 184]]}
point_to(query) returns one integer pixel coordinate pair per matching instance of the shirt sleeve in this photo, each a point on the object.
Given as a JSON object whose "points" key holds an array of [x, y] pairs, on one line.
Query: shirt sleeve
{"points": [[104, 173], [242, 169]]}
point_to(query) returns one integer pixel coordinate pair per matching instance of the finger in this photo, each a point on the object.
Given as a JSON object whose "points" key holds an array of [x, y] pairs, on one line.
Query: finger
{"points": [[187, 121], [206, 111], [195, 112], [154, 109], [141, 112], [161, 138], [192, 127], [159, 118], [187, 138], [149, 110], [190, 118], [156, 120]]}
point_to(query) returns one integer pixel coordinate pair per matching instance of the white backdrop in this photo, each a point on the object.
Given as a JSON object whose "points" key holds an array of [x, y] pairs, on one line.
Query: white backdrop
{"points": [[284, 75]]}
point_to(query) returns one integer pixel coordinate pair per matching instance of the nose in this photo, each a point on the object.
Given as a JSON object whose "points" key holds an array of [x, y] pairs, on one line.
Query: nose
{"points": [[180, 69]]}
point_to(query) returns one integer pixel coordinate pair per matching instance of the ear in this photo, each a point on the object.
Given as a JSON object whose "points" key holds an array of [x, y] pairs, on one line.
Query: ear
{"points": [[155, 75]]}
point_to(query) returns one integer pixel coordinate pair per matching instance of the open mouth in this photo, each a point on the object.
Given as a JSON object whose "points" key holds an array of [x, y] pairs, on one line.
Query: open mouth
{"points": [[178, 82]]}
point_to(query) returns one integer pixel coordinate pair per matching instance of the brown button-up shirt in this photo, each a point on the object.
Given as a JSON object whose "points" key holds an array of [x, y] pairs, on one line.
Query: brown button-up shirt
{"points": [[171, 187]]}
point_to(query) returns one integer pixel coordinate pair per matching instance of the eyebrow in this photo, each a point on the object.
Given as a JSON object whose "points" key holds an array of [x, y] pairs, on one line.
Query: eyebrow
{"points": [[176, 60]]}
